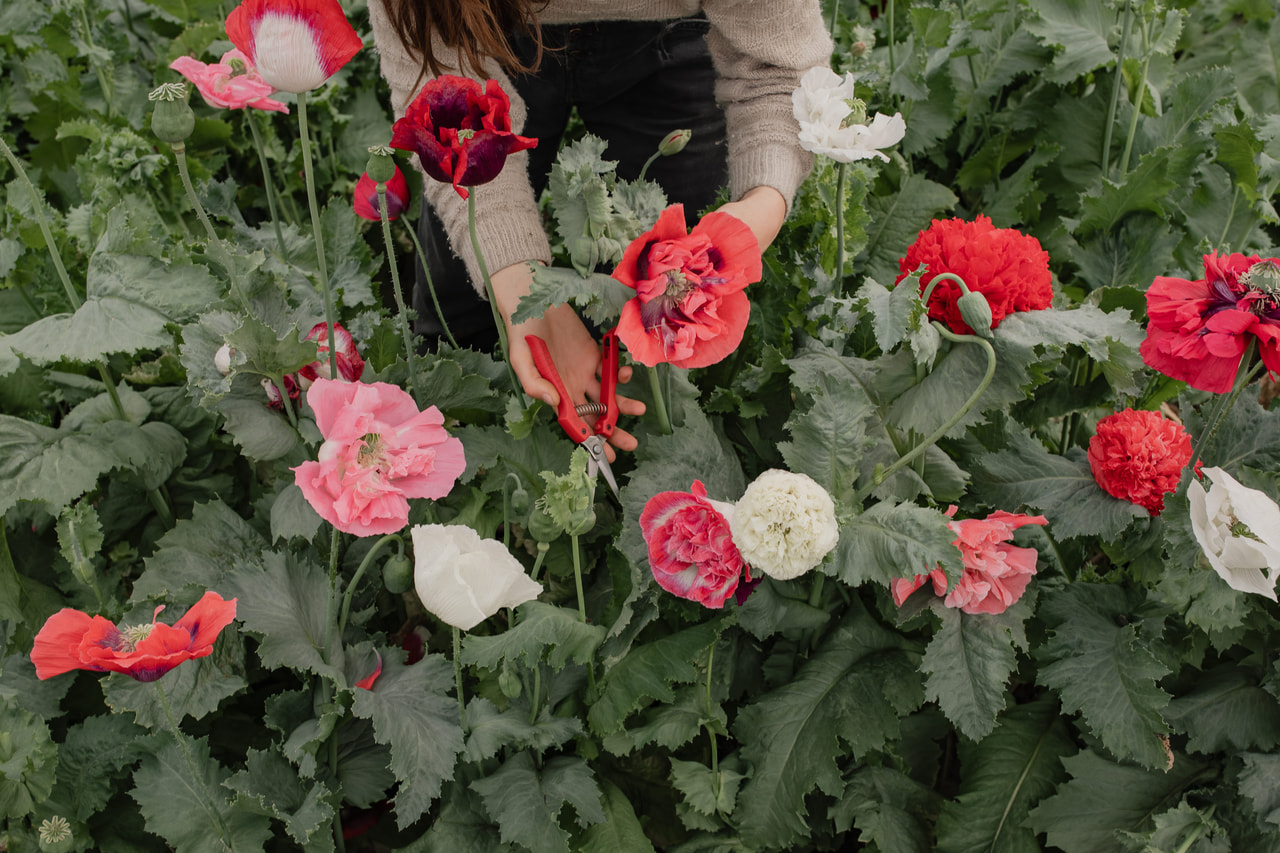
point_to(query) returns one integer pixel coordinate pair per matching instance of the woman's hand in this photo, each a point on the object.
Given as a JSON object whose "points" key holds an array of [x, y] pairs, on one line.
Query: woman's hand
{"points": [[574, 351], [763, 209]]}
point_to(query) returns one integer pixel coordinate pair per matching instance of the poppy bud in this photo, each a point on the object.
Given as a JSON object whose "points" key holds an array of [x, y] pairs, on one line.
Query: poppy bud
{"points": [[381, 166], [509, 684], [172, 120], [222, 359], [542, 527], [674, 142], [397, 574], [975, 310]]}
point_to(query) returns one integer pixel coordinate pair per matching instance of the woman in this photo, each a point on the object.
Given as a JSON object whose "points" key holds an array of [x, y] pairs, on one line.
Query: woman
{"points": [[635, 71]]}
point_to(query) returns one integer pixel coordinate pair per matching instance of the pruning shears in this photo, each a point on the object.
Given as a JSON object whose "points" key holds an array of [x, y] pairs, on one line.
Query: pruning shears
{"points": [[591, 437]]}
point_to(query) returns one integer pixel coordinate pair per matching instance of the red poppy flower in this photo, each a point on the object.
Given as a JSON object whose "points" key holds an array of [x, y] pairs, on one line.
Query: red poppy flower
{"points": [[690, 308], [1006, 266], [350, 364], [71, 640], [691, 550], [1196, 330], [365, 199], [296, 45], [460, 132], [1138, 456]]}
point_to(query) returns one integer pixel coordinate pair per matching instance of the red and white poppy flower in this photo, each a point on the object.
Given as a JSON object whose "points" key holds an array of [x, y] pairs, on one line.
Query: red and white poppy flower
{"points": [[296, 45]]}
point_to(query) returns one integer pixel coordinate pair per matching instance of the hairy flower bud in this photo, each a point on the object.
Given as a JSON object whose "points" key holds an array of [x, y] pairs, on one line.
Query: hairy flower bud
{"points": [[222, 359], [975, 310], [397, 574], [674, 142]]}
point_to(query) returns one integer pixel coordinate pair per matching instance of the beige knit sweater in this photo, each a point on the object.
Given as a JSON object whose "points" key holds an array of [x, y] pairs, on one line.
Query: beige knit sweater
{"points": [[760, 48]]}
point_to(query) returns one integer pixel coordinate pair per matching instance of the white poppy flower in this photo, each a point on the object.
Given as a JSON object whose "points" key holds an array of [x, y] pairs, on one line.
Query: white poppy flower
{"points": [[1239, 530], [831, 119], [784, 524], [463, 579]]}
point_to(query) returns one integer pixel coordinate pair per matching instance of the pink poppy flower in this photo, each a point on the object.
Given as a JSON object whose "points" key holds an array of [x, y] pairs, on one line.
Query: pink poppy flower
{"points": [[691, 551], [232, 83], [71, 639], [460, 132], [689, 308], [350, 364], [379, 451], [296, 45], [364, 200], [995, 574]]}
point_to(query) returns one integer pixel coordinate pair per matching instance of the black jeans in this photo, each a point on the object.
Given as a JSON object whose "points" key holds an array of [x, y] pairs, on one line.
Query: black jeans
{"points": [[632, 83]]}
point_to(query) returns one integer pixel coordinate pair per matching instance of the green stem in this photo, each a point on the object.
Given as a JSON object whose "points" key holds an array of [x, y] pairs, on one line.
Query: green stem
{"points": [[493, 302], [841, 168], [535, 700], [215, 242], [892, 64], [108, 93], [1191, 839], [1115, 87], [1244, 376], [647, 163], [162, 509], [815, 591], [543, 548], [360, 570], [457, 677], [197, 777], [431, 285], [318, 231], [268, 183], [335, 542], [339, 842], [659, 400], [1226, 226], [715, 757], [582, 608], [285, 402], [831, 28], [401, 308], [1133, 122]]}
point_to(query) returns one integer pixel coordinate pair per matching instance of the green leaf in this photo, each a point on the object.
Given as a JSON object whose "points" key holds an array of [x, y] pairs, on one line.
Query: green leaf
{"points": [[272, 785], [969, 661], [1102, 668], [527, 803], [620, 830], [670, 726], [1110, 338], [891, 541], [262, 351], [80, 539], [556, 285], [1260, 784], [543, 629], [28, 761], [1002, 778], [461, 825], [98, 328], [94, 755], [1249, 435], [1147, 187], [1103, 798], [1238, 146], [179, 789], [647, 673], [1062, 487], [852, 692], [490, 730], [292, 515], [706, 792], [413, 714], [178, 290], [894, 312], [775, 606], [194, 688], [888, 808], [899, 219], [200, 553], [1226, 711], [1079, 29]]}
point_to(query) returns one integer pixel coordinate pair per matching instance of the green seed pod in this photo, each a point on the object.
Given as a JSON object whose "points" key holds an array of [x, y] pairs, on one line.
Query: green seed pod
{"points": [[976, 313], [381, 166], [172, 120], [397, 574], [542, 527]]}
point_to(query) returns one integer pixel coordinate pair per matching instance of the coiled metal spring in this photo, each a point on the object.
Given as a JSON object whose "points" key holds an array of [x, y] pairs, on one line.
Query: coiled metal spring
{"points": [[590, 408]]}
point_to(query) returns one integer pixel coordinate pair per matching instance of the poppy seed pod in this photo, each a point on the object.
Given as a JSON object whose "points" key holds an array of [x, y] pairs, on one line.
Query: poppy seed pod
{"points": [[172, 120], [381, 166]]}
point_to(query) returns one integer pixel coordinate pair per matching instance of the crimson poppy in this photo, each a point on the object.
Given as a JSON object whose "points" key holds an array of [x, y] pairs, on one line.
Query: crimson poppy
{"points": [[365, 199], [71, 639]]}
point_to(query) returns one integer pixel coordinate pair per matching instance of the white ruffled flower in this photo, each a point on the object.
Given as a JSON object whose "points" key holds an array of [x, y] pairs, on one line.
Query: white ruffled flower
{"points": [[463, 579], [784, 524], [1239, 530], [832, 119]]}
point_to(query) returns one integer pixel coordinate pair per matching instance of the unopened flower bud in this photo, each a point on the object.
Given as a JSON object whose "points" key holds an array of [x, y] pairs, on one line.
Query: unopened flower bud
{"points": [[222, 359], [397, 574], [674, 142], [976, 313], [381, 166], [857, 49], [172, 120]]}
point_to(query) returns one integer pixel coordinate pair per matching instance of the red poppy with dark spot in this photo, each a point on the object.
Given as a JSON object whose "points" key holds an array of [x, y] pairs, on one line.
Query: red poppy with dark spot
{"points": [[460, 131], [364, 201], [71, 640], [1197, 330], [1006, 266], [689, 308]]}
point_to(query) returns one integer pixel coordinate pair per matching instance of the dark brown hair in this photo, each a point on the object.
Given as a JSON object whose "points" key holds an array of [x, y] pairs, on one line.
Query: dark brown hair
{"points": [[478, 29]]}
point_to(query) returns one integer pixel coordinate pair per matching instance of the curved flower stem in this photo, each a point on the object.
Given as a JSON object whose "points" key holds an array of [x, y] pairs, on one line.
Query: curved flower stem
{"points": [[197, 777], [841, 169], [493, 302], [543, 548], [535, 700], [457, 677], [1244, 376], [431, 285], [402, 310], [1133, 122], [659, 399], [1115, 86], [180, 155], [360, 570], [924, 445], [582, 607], [268, 183], [321, 265], [647, 163]]}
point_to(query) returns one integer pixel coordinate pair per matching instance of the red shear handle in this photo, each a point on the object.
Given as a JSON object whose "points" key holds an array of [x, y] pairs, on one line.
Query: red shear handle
{"points": [[609, 384], [573, 425]]}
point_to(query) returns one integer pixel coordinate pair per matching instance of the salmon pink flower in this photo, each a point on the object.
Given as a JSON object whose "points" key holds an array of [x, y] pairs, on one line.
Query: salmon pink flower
{"points": [[460, 131], [1138, 456], [1006, 266], [689, 308], [691, 550], [350, 364], [232, 83], [379, 451], [296, 45], [365, 199], [71, 640], [1197, 330]]}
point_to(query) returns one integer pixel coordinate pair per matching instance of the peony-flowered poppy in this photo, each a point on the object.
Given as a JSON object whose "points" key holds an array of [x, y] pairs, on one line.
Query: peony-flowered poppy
{"points": [[691, 551], [689, 308], [296, 45], [460, 131], [1197, 331], [364, 201], [378, 452], [1138, 456], [71, 639], [232, 83], [1006, 266]]}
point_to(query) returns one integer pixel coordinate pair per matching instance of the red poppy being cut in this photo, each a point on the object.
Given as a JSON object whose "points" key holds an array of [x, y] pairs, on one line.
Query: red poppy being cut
{"points": [[689, 309], [1197, 331], [364, 201], [1006, 266], [460, 132], [71, 639]]}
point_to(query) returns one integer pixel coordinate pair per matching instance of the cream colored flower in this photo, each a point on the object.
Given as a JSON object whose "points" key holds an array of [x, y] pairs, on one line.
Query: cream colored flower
{"points": [[1239, 530], [463, 579], [833, 121], [784, 524]]}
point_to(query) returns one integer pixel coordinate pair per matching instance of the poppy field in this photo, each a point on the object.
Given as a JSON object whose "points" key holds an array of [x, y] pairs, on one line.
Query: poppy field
{"points": [[952, 523]]}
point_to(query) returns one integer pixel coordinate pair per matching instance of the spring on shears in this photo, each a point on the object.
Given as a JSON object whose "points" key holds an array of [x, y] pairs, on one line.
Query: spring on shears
{"points": [[590, 408]]}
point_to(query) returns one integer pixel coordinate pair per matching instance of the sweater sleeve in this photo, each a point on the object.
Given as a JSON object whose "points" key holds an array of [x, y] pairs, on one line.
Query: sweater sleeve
{"points": [[508, 225], [761, 49]]}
